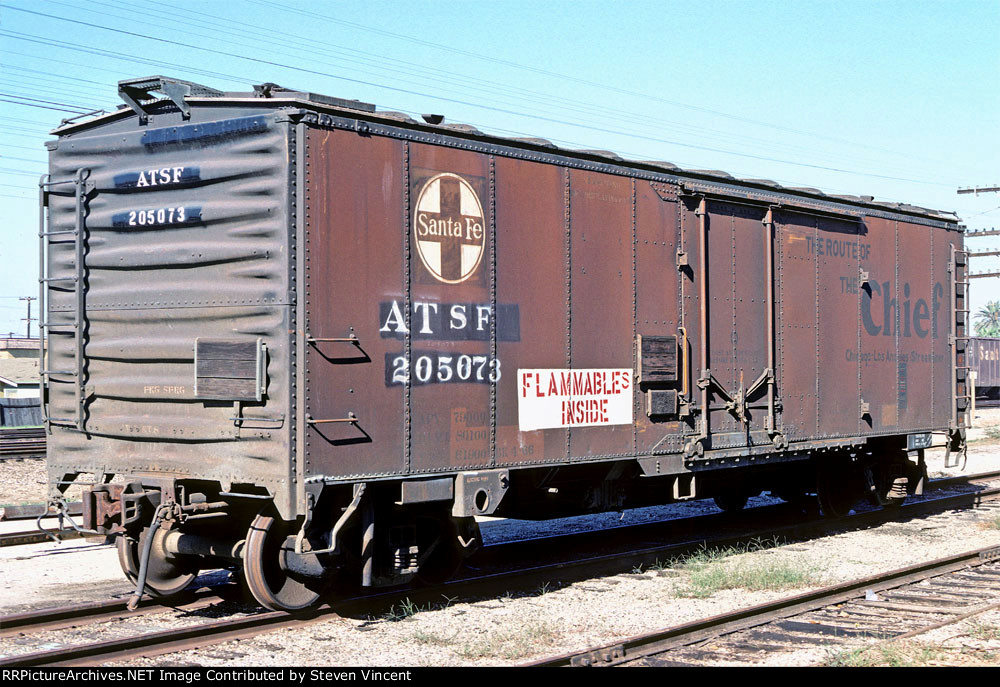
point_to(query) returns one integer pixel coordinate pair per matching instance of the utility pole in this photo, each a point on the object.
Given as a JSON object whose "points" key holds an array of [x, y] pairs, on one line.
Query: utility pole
{"points": [[29, 318], [992, 231], [983, 232], [982, 253]]}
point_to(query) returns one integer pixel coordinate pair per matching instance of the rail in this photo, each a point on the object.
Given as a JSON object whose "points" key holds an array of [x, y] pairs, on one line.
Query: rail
{"points": [[499, 568], [867, 588]]}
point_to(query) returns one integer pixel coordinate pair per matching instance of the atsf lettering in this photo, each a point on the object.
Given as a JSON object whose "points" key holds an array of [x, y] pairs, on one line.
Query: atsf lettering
{"points": [[449, 321], [160, 176]]}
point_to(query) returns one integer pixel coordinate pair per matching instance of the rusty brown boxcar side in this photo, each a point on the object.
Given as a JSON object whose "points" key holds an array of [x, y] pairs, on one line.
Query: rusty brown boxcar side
{"points": [[580, 261], [338, 334]]}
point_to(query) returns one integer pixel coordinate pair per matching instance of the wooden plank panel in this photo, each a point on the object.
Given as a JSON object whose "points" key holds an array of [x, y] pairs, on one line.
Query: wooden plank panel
{"points": [[227, 389], [215, 349], [657, 359], [228, 369]]}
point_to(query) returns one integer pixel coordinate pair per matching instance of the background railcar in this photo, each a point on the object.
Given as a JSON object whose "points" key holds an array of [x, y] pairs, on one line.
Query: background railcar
{"points": [[984, 359], [316, 337]]}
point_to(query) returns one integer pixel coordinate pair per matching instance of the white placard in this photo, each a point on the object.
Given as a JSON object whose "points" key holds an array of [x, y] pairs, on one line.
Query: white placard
{"points": [[549, 399]]}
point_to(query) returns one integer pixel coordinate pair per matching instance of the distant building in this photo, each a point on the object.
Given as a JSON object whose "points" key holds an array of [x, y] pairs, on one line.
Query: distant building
{"points": [[19, 377], [18, 347]]}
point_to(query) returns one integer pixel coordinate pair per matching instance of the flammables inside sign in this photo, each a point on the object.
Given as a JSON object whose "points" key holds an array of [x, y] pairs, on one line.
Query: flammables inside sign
{"points": [[573, 398]]}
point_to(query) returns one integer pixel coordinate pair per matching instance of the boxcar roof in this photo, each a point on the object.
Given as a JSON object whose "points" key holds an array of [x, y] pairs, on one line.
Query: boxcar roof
{"points": [[272, 96]]}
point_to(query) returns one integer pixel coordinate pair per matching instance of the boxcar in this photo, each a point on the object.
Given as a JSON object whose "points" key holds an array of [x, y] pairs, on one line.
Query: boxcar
{"points": [[984, 359], [315, 339]]}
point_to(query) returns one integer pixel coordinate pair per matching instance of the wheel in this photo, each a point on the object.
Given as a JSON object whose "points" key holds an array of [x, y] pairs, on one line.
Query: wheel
{"points": [[836, 498], [166, 574], [269, 541], [731, 501], [839, 485]]}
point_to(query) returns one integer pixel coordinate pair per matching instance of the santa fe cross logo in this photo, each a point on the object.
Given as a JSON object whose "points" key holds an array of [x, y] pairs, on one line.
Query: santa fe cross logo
{"points": [[449, 228]]}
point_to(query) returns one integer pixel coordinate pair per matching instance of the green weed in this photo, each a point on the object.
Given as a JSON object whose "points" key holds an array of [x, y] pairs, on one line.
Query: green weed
{"points": [[984, 631], [888, 654], [712, 570]]}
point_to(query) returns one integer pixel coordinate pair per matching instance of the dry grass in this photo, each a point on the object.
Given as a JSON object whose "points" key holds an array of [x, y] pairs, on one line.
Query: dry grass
{"points": [[510, 643], [712, 570], [887, 654], [432, 639], [984, 632]]}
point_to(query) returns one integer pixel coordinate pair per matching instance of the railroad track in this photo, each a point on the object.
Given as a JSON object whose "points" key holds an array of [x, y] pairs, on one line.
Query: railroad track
{"points": [[21, 442], [891, 606], [89, 613], [31, 511], [40, 536], [496, 569]]}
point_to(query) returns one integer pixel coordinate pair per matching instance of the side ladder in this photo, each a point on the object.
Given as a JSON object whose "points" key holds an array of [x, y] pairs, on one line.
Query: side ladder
{"points": [[958, 341], [83, 187]]}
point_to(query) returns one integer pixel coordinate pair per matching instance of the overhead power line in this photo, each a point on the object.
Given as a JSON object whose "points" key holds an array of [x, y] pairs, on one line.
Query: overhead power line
{"points": [[22, 159], [39, 71], [37, 149], [24, 172], [447, 80], [561, 76], [42, 107], [22, 121], [38, 100], [486, 107], [450, 81]]}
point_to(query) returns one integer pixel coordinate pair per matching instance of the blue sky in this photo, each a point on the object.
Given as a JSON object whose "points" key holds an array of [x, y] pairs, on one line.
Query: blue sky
{"points": [[898, 100]]}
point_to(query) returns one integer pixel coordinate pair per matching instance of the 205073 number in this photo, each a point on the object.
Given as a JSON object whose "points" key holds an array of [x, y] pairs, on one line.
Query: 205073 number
{"points": [[157, 217], [160, 216], [431, 367]]}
